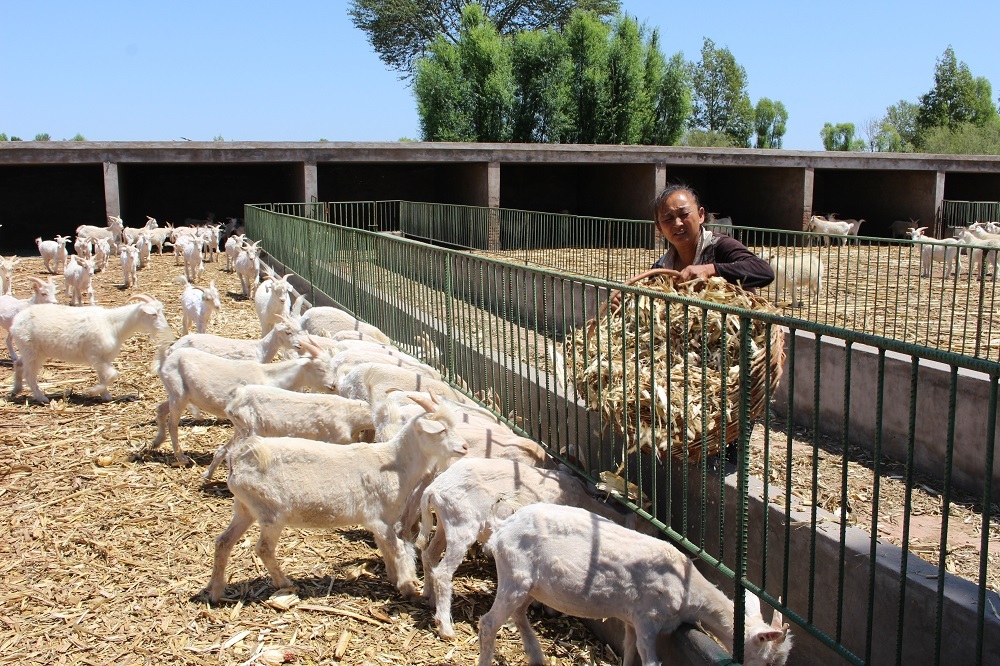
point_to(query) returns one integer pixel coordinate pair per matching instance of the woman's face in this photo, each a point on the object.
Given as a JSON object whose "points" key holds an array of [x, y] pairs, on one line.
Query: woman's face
{"points": [[679, 219]]}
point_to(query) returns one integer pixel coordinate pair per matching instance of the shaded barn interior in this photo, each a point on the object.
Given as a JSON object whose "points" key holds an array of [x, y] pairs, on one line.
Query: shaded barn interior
{"points": [[880, 198], [46, 200], [460, 184]]}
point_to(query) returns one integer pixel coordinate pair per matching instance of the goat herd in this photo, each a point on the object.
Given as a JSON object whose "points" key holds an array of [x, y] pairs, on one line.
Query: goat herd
{"points": [[349, 429]]}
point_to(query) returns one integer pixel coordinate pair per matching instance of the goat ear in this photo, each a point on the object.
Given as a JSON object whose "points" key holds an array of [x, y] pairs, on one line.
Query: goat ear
{"points": [[430, 427], [751, 604], [770, 635], [777, 620]]}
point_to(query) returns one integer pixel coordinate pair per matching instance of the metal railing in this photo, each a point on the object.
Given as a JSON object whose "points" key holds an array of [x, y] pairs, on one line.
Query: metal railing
{"points": [[876, 549], [871, 285], [964, 213]]}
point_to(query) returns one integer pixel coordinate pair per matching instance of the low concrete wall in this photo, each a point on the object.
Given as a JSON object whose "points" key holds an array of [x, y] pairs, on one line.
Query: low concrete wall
{"points": [[931, 425]]}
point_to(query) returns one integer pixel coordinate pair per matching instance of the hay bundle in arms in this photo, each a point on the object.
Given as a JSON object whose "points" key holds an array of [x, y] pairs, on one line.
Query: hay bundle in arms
{"points": [[641, 365]]}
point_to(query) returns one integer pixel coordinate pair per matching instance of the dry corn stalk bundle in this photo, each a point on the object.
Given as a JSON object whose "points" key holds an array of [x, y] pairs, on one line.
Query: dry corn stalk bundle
{"points": [[621, 365]]}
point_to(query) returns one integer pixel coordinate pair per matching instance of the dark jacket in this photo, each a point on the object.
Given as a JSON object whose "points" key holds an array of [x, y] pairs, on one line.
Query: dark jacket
{"points": [[733, 261]]}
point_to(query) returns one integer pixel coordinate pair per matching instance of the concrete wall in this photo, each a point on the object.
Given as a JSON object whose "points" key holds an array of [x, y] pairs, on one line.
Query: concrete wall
{"points": [[931, 425]]}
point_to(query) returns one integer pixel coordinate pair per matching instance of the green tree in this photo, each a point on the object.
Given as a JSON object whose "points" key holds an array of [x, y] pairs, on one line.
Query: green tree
{"points": [[707, 139], [42, 137], [963, 139], [15, 138], [627, 96], [541, 69], [401, 31], [669, 95], [901, 126], [485, 63], [218, 138], [770, 120], [442, 93], [587, 38], [721, 102], [956, 98], [78, 137], [840, 137], [3, 136]]}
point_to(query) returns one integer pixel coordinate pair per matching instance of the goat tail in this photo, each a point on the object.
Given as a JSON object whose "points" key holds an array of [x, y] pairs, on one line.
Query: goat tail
{"points": [[426, 521], [161, 355], [503, 508]]}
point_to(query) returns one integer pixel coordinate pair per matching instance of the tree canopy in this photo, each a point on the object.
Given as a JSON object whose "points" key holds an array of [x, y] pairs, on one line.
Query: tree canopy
{"points": [[401, 31], [720, 100]]}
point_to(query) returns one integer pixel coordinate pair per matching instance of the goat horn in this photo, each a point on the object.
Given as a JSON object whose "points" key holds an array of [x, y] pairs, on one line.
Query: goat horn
{"points": [[142, 297], [285, 277], [37, 281], [424, 401]]}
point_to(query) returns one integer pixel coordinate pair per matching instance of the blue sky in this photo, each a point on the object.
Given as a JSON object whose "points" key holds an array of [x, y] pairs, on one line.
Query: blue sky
{"points": [[299, 70]]}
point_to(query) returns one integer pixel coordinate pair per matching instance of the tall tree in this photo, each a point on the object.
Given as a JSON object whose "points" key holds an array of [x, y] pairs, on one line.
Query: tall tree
{"points": [[401, 31], [721, 102], [840, 137], [485, 63], [669, 93], [771, 120], [541, 69], [901, 119], [627, 95], [442, 93], [957, 97], [43, 137], [587, 38]]}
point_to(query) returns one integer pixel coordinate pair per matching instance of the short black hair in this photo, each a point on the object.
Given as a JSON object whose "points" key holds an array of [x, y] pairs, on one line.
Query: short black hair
{"points": [[670, 189]]}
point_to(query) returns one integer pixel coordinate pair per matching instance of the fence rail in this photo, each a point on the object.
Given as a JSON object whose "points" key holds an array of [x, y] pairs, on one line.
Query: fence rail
{"points": [[964, 213], [874, 553]]}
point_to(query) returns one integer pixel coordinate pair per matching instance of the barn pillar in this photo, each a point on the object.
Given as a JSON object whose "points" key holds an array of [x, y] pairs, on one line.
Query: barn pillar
{"points": [[112, 195], [937, 204], [310, 182], [493, 202], [808, 177]]}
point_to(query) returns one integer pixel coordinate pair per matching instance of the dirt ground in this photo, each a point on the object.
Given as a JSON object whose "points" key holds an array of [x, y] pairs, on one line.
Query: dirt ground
{"points": [[106, 547]]}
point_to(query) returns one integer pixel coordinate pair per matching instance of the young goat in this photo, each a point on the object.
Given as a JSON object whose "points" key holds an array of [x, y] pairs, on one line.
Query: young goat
{"points": [[7, 274], [209, 383], [233, 246], [129, 259], [44, 292], [198, 304], [272, 301], [462, 498], [247, 265], [294, 482], [78, 276], [102, 254], [144, 246], [268, 411], [587, 566], [797, 275], [327, 321], [89, 335], [113, 232], [53, 252], [281, 337], [193, 265]]}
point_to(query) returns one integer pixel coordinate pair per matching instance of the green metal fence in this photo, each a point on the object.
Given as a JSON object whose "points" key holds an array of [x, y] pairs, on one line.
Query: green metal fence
{"points": [[872, 285], [964, 213], [879, 533]]}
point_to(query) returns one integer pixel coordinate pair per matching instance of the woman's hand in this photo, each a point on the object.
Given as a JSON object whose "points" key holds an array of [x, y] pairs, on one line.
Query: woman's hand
{"points": [[696, 271]]}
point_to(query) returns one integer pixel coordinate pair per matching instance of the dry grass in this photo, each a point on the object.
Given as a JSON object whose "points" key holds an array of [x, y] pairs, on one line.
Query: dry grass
{"points": [[107, 547]]}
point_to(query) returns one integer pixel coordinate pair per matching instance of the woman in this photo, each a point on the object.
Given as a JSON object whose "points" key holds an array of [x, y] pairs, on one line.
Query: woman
{"points": [[696, 252]]}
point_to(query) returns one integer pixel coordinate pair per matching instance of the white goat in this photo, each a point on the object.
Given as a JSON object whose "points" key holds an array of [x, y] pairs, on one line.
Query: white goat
{"points": [[53, 251], [84, 248], [198, 304], [210, 234], [462, 498], [113, 232], [129, 259], [946, 251], [797, 274], [43, 292], [208, 383], [247, 266], [645, 582], [102, 254], [7, 274], [725, 224], [89, 335], [371, 382], [131, 235], [193, 265], [233, 246], [272, 301], [268, 411], [281, 337], [830, 228], [327, 321], [281, 482], [157, 237], [78, 275], [143, 244], [976, 234]]}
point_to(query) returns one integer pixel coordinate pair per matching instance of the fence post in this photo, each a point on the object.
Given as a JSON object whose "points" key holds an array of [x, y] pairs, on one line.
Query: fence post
{"points": [[449, 296]]}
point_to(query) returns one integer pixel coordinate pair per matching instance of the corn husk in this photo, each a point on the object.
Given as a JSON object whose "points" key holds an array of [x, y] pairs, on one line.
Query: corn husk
{"points": [[657, 369]]}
